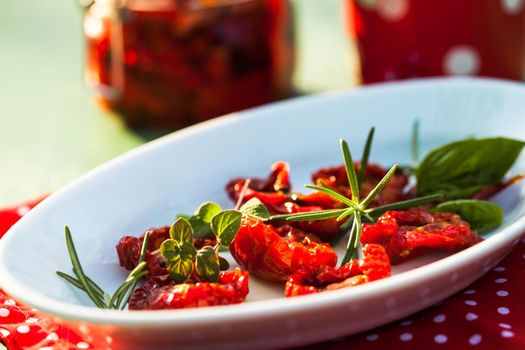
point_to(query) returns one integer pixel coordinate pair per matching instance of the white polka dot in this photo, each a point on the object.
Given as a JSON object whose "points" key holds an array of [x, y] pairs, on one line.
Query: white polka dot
{"points": [[21, 211], [440, 338], [475, 339], [507, 334], [392, 10], [502, 293], [4, 312], [499, 269], [503, 310], [500, 280], [372, 337], [461, 60], [454, 277], [46, 348], [390, 302], [471, 302], [469, 291], [424, 292], [52, 336], [512, 6], [22, 329], [10, 302], [406, 323], [471, 316], [82, 345], [32, 320], [5, 332], [406, 337], [109, 339], [291, 323], [440, 318], [390, 75], [505, 325]]}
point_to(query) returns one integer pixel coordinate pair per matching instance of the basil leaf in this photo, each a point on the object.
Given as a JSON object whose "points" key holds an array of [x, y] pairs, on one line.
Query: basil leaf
{"points": [[180, 261], [207, 264], [225, 225], [254, 207], [181, 230], [460, 169], [481, 215], [201, 219]]}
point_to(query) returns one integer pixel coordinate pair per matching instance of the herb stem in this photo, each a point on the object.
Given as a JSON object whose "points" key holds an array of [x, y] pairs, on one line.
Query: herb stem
{"points": [[80, 272], [409, 203], [364, 159]]}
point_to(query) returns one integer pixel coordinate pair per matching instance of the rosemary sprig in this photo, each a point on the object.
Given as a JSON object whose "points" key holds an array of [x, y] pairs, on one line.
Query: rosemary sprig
{"points": [[97, 295], [356, 208]]}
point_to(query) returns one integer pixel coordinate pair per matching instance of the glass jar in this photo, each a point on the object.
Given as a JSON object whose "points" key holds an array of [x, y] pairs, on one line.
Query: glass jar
{"points": [[170, 63]]}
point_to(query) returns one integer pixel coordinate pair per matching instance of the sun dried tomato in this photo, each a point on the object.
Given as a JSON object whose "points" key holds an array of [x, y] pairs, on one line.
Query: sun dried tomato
{"points": [[375, 265], [272, 190], [273, 193], [407, 234], [273, 254], [161, 293], [337, 178], [129, 248]]}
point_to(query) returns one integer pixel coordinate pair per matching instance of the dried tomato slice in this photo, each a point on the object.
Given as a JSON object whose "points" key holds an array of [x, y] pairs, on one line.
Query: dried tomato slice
{"points": [[273, 189], [161, 293], [129, 247], [273, 254], [375, 265], [407, 234]]}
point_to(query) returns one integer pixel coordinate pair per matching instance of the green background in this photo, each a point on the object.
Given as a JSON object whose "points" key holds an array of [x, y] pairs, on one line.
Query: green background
{"points": [[51, 131]]}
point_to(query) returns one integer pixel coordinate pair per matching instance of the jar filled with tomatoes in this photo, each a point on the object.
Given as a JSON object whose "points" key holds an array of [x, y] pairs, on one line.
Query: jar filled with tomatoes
{"points": [[171, 63]]}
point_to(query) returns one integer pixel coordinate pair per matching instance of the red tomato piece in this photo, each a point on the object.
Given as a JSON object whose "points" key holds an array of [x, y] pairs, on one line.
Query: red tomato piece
{"points": [[161, 293], [264, 251], [129, 247], [273, 189], [375, 265], [407, 234]]}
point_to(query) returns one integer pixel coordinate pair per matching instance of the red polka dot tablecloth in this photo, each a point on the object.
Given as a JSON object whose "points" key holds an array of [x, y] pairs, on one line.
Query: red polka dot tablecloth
{"points": [[400, 39], [489, 314]]}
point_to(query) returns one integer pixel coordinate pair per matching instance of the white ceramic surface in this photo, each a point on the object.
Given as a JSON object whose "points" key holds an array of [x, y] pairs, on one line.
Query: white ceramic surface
{"points": [[150, 185]]}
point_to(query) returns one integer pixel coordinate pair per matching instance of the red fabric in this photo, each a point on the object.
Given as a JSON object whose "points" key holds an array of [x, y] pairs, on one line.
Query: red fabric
{"points": [[489, 315], [399, 39]]}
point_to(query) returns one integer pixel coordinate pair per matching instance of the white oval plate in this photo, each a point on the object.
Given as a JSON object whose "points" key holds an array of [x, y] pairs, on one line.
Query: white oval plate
{"points": [[152, 184]]}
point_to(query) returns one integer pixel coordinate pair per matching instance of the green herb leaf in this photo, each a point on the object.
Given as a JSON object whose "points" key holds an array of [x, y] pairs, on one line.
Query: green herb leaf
{"points": [[415, 143], [309, 215], [379, 187], [180, 261], [460, 169], [254, 207], [332, 193], [364, 157], [350, 170], [181, 231], [481, 215], [208, 264], [201, 219], [225, 225]]}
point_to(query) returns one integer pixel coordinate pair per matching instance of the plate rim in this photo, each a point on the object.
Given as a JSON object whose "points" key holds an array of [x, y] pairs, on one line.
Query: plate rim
{"points": [[279, 306]]}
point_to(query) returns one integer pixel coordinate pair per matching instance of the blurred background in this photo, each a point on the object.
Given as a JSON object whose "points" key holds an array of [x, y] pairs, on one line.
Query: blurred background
{"points": [[82, 82], [52, 130]]}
